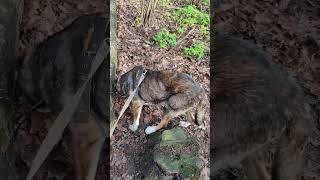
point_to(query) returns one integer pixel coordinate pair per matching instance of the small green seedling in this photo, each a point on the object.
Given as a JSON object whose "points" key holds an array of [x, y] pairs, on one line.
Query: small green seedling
{"points": [[206, 2], [180, 30], [191, 15], [139, 20], [164, 38], [204, 30], [197, 50], [164, 3]]}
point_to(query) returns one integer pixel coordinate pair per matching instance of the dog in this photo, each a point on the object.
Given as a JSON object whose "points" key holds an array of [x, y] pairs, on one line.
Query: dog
{"points": [[52, 73], [255, 105], [177, 91]]}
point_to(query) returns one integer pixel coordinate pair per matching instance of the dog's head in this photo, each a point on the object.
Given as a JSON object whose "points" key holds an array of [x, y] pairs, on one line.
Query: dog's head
{"points": [[129, 81]]}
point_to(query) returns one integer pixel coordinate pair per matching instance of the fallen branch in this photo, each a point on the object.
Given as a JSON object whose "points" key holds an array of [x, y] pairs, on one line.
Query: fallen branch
{"points": [[161, 55]]}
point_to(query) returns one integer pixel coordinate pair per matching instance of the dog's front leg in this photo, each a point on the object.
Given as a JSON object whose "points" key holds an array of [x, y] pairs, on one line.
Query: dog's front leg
{"points": [[170, 114], [190, 116], [94, 153], [165, 120], [163, 123], [136, 107], [87, 141]]}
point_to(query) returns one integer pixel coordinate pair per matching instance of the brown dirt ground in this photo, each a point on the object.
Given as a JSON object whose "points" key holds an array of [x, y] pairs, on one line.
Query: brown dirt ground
{"points": [[289, 30], [41, 19], [129, 150]]}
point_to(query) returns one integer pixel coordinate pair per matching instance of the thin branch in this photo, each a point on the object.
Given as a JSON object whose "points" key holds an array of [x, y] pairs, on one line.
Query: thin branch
{"points": [[184, 37], [161, 55]]}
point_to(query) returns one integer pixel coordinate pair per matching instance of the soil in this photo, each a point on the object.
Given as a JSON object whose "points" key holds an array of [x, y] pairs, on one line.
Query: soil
{"points": [[289, 31]]}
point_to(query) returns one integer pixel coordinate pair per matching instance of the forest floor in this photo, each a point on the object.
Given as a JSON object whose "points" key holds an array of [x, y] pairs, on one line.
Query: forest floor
{"points": [[140, 46]]}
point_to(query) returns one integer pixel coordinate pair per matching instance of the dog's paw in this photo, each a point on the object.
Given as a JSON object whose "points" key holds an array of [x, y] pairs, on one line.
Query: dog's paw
{"points": [[150, 129], [184, 124], [133, 127]]}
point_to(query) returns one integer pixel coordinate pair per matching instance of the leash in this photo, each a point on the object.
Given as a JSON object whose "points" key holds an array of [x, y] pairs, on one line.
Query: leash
{"points": [[56, 130], [127, 103]]}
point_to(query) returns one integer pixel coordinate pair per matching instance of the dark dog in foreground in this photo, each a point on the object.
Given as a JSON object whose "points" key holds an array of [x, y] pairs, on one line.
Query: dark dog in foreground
{"points": [[255, 105], [177, 91], [56, 69]]}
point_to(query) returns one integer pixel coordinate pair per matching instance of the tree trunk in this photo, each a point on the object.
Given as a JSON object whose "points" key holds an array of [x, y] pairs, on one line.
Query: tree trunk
{"points": [[10, 16], [113, 58]]}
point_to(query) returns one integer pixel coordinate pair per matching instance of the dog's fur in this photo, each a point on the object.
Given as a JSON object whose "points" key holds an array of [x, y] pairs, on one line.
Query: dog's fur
{"points": [[177, 91], [54, 71], [254, 104]]}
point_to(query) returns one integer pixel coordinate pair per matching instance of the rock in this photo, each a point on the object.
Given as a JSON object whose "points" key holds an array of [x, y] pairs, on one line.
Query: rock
{"points": [[177, 153]]}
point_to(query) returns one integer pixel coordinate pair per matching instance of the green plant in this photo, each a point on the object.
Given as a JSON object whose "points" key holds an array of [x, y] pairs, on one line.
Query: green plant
{"points": [[206, 2], [180, 30], [139, 20], [204, 30], [191, 15], [164, 38], [197, 50], [164, 3]]}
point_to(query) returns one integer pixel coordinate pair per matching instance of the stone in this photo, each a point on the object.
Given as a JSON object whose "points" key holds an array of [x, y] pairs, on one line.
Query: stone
{"points": [[177, 153]]}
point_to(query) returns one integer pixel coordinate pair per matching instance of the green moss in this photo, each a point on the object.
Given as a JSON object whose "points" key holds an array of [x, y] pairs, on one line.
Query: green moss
{"points": [[178, 153]]}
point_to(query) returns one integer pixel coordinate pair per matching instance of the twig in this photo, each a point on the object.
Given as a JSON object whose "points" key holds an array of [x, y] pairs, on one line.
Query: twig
{"points": [[184, 37], [161, 55]]}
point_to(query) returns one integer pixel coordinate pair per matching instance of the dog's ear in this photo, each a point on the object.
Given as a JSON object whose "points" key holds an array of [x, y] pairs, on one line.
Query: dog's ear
{"points": [[129, 81], [139, 71], [124, 84]]}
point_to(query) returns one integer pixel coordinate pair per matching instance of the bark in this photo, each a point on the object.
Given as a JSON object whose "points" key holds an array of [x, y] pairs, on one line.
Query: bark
{"points": [[10, 16], [113, 58]]}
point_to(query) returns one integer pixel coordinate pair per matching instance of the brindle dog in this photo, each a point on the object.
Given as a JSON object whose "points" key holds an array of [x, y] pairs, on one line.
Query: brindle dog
{"points": [[254, 105], [54, 71], [177, 91]]}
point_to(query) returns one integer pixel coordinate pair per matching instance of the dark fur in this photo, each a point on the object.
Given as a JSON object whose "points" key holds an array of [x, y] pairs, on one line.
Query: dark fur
{"points": [[176, 90], [254, 104], [55, 70]]}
